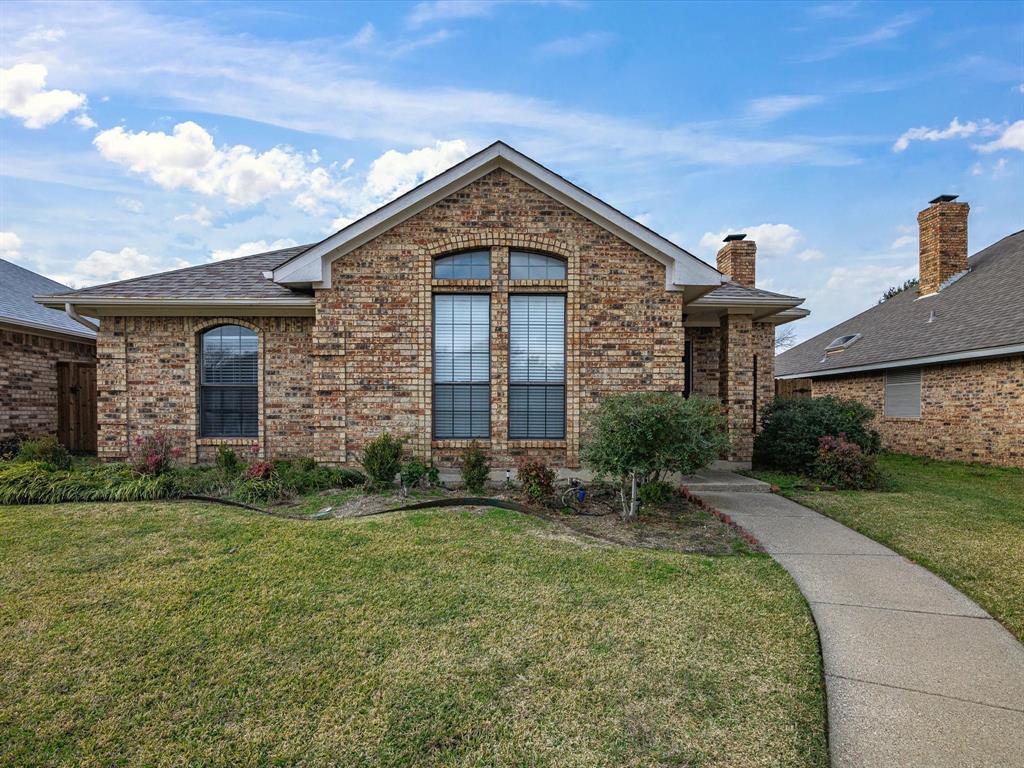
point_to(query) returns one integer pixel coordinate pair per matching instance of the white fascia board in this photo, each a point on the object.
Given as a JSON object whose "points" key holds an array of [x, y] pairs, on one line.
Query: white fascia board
{"points": [[682, 268], [911, 362]]}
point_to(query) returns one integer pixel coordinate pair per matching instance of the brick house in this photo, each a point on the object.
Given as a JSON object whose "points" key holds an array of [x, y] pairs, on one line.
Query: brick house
{"points": [[47, 364], [942, 363], [496, 302]]}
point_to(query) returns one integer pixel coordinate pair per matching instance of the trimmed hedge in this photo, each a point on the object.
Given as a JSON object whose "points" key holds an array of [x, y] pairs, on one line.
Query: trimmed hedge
{"points": [[792, 429]]}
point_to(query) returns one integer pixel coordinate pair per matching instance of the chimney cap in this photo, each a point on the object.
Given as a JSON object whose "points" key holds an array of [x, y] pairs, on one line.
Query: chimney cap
{"points": [[733, 238], [943, 199]]}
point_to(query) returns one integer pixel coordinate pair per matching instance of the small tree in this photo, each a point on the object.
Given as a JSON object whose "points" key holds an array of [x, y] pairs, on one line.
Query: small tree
{"points": [[382, 460], [641, 437]]}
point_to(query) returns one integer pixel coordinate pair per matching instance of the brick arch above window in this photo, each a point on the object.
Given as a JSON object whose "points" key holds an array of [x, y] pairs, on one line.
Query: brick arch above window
{"points": [[499, 238]]}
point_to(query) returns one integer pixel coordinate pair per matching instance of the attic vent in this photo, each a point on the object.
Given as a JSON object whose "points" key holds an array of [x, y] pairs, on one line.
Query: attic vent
{"points": [[843, 342]]}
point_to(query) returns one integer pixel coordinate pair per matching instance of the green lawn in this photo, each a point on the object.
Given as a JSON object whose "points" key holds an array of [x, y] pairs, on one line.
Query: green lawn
{"points": [[964, 522], [190, 634]]}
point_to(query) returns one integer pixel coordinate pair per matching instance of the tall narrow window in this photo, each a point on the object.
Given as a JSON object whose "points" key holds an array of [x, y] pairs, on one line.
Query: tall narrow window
{"points": [[536, 367], [523, 265], [228, 391], [462, 366]]}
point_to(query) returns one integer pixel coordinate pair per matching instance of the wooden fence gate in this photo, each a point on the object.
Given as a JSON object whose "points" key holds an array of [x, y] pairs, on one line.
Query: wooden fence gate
{"points": [[76, 406]]}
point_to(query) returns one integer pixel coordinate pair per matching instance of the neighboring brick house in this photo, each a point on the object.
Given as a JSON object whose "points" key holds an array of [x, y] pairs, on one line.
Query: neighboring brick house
{"points": [[942, 364], [47, 365], [495, 302]]}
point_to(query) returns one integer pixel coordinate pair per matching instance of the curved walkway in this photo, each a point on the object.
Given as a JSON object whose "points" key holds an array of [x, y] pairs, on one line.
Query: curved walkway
{"points": [[916, 674]]}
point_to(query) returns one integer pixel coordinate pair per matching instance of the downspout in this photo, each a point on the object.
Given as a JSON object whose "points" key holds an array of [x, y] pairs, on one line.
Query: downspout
{"points": [[70, 311]]}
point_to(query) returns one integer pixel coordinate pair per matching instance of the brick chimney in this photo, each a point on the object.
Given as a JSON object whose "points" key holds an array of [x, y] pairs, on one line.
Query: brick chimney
{"points": [[943, 242], [737, 257]]}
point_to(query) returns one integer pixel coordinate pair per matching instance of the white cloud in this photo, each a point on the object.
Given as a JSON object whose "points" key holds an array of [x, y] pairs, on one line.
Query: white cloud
{"points": [[10, 246], [577, 44], [977, 169], [771, 239], [955, 130], [42, 34], [447, 10], [903, 241], [85, 122], [248, 249], [130, 204], [201, 215], [105, 266], [23, 95], [395, 172], [773, 107], [188, 159], [1012, 138], [890, 30]]}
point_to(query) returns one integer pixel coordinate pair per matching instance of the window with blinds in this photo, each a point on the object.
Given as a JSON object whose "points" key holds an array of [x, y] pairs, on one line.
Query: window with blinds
{"points": [[903, 393], [536, 367], [228, 391], [462, 366], [471, 265], [523, 265]]}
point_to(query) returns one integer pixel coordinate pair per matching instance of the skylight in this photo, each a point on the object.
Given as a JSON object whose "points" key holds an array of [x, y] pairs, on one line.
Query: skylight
{"points": [[843, 342]]}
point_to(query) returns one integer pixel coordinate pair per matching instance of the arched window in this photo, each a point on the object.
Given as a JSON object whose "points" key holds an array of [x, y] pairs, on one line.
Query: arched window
{"points": [[469, 265], [228, 389], [523, 265]]}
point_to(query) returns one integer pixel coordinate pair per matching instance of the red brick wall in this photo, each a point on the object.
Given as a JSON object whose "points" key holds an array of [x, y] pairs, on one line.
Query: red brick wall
{"points": [[969, 411], [28, 379]]}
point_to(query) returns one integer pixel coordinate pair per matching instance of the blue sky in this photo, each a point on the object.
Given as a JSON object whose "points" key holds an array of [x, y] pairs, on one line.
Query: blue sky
{"points": [[141, 137]]}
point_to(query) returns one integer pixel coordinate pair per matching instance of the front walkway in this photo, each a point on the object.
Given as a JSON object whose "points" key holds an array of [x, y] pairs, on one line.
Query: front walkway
{"points": [[916, 674]]}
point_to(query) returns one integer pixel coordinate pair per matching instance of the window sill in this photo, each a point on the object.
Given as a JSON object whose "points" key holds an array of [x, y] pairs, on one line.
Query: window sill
{"points": [[514, 285], [455, 283], [461, 442], [227, 441], [527, 442]]}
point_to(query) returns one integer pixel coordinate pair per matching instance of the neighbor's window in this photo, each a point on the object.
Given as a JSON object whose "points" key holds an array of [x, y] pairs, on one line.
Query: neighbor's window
{"points": [[523, 265], [462, 366], [228, 391], [471, 265], [536, 367], [903, 393]]}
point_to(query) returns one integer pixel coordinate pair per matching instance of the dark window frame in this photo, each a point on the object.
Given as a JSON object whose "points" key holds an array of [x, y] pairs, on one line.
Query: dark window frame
{"points": [[562, 261], [434, 384], [247, 417], [565, 371]]}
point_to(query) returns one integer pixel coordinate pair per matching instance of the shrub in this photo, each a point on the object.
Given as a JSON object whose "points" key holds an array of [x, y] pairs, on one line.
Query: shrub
{"points": [[257, 491], [654, 493], [38, 482], [416, 473], [475, 467], [382, 459], [10, 445], [844, 465], [537, 479], [228, 461], [302, 476], [260, 470], [792, 428], [641, 436], [157, 453], [47, 450]]}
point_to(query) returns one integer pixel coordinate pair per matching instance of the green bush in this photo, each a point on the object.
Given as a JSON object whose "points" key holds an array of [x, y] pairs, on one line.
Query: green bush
{"points": [[9, 446], [537, 479], [641, 436], [844, 465], [382, 459], [258, 491], [46, 450], [302, 476], [38, 482], [228, 461], [654, 493], [792, 428], [475, 468], [416, 473]]}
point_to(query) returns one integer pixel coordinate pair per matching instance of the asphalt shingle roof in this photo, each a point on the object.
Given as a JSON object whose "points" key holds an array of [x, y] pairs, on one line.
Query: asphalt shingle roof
{"points": [[240, 278], [737, 292], [984, 308], [17, 287]]}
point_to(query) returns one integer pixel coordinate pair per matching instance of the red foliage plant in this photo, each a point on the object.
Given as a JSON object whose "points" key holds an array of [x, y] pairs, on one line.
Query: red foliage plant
{"points": [[157, 453], [260, 470]]}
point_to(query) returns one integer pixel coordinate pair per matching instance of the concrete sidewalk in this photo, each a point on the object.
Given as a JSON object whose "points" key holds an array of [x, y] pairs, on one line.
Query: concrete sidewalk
{"points": [[916, 673]]}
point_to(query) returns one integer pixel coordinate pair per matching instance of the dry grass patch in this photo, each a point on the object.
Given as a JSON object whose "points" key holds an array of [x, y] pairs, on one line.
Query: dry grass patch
{"points": [[188, 634]]}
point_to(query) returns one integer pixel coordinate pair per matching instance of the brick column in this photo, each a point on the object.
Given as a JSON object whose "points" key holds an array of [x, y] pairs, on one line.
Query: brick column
{"points": [[112, 389], [329, 436], [736, 384]]}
